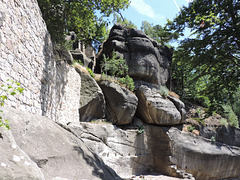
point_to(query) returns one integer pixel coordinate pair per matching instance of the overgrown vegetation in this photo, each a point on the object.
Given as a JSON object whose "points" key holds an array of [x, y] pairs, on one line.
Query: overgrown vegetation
{"points": [[62, 16], [6, 90], [117, 66]]}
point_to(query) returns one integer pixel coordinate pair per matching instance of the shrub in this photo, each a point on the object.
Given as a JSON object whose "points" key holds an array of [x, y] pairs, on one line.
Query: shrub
{"points": [[8, 90], [128, 82], [117, 67]]}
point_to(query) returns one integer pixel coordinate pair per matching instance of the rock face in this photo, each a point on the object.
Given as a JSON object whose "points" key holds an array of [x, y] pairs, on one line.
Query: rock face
{"points": [[159, 150], [154, 109], [38, 148], [92, 102], [228, 135], [147, 60], [198, 156], [121, 103]]}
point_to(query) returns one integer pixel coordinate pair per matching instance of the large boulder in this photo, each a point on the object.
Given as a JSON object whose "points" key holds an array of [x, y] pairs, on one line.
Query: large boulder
{"points": [[121, 103], [92, 102], [155, 109], [38, 148], [147, 60]]}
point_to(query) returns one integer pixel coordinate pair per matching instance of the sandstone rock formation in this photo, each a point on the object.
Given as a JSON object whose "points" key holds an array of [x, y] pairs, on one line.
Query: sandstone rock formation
{"points": [[203, 158], [147, 60], [38, 148], [121, 103], [92, 102], [154, 109], [158, 149]]}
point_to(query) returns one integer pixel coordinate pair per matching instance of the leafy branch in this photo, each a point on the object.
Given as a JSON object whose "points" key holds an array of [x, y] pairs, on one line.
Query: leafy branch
{"points": [[5, 91]]}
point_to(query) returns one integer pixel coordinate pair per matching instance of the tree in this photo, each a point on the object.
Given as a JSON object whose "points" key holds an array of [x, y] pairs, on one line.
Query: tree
{"points": [[161, 34], [79, 16], [212, 52], [123, 21]]}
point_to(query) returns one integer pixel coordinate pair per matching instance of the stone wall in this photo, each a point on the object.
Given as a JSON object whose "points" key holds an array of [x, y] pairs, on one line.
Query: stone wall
{"points": [[52, 88]]}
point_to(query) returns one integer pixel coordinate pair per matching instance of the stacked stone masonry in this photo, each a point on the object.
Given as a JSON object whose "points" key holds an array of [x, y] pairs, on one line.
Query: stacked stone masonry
{"points": [[26, 56]]}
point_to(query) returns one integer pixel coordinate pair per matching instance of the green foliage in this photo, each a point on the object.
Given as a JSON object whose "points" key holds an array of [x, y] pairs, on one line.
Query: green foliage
{"points": [[163, 90], [117, 66], [213, 139], [90, 72], [230, 115], [62, 16], [10, 89], [190, 128], [114, 66], [128, 82], [140, 129], [224, 122], [125, 22], [206, 64], [161, 34], [236, 103]]}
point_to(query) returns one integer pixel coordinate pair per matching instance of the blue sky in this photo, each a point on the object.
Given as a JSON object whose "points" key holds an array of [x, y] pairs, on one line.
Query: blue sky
{"points": [[153, 11]]}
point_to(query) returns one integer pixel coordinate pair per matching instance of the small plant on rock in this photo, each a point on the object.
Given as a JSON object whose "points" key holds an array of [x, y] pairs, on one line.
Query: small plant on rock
{"points": [[213, 139], [140, 129], [190, 128], [90, 72]]}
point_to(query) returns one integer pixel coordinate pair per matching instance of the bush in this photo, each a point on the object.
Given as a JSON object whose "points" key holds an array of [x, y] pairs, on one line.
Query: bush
{"points": [[128, 82]]}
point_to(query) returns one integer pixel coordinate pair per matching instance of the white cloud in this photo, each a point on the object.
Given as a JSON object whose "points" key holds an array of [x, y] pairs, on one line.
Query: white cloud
{"points": [[143, 8], [189, 1]]}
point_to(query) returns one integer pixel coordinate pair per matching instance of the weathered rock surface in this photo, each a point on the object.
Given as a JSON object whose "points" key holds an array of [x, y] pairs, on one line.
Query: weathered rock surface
{"points": [[14, 162], [127, 152], [80, 56], [159, 150], [203, 158], [38, 148], [228, 135], [121, 103], [179, 105], [61, 53], [147, 60], [92, 102], [154, 109]]}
